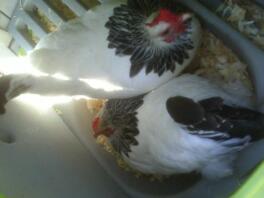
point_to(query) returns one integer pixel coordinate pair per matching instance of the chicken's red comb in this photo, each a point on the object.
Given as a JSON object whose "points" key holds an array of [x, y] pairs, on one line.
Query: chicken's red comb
{"points": [[167, 16], [95, 123]]}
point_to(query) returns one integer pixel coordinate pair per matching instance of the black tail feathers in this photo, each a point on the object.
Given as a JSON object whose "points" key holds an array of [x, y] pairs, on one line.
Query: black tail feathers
{"points": [[246, 122]]}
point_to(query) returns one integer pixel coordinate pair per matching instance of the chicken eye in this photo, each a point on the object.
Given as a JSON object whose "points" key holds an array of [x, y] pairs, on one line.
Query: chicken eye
{"points": [[165, 32]]}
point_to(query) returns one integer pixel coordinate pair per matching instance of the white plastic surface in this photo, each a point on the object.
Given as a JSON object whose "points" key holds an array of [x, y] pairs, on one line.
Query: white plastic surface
{"points": [[40, 158]]}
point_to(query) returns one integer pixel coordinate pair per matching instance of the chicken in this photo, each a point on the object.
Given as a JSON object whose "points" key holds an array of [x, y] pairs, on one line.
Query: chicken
{"points": [[186, 125], [135, 46]]}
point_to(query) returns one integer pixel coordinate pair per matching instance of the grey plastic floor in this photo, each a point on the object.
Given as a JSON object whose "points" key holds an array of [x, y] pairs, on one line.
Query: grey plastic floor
{"points": [[44, 159]]}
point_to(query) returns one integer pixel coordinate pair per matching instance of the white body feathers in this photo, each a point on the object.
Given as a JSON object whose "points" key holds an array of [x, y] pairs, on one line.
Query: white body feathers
{"points": [[79, 50], [165, 147]]}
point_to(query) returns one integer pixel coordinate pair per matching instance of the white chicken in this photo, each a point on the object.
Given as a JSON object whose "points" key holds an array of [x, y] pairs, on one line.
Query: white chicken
{"points": [[133, 45], [186, 125]]}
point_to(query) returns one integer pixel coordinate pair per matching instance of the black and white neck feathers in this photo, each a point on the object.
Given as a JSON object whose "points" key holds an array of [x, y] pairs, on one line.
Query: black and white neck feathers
{"points": [[129, 36], [121, 115]]}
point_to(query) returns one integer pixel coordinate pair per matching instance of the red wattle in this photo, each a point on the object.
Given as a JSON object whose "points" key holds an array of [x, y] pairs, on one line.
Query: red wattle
{"points": [[95, 123]]}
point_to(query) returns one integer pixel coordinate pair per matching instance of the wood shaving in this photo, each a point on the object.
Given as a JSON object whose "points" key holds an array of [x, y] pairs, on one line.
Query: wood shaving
{"points": [[44, 21], [246, 17], [103, 141], [219, 64], [61, 8], [89, 3], [64, 11], [30, 35]]}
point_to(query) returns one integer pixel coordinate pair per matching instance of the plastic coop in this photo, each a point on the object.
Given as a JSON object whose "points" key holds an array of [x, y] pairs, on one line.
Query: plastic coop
{"points": [[33, 19]]}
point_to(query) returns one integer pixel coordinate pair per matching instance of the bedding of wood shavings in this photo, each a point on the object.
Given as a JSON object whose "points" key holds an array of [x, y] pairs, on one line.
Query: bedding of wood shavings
{"points": [[103, 140], [246, 17], [89, 3], [62, 9], [44, 20], [219, 64], [31, 35]]}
